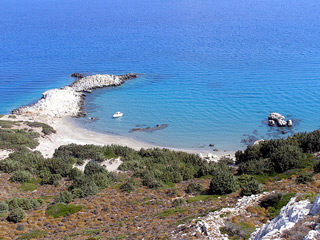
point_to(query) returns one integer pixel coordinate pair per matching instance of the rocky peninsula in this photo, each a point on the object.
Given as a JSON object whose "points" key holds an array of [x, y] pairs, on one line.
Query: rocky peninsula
{"points": [[68, 100]]}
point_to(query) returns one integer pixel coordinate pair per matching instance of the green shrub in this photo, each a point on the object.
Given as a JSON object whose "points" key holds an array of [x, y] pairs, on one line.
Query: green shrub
{"points": [[251, 187], [16, 215], [61, 210], [64, 197], [151, 181], [109, 153], [53, 179], [171, 192], [21, 176], [46, 129], [34, 234], [89, 189], [194, 188], [244, 179], [274, 211], [75, 173], [17, 139], [9, 166], [237, 230], [304, 178], [93, 168], [4, 207], [316, 167], [223, 181], [102, 180], [178, 202], [23, 203], [129, 186], [286, 157], [256, 167]]}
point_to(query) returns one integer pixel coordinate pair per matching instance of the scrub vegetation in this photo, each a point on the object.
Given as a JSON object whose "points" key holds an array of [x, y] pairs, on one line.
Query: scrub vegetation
{"points": [[155, 190]]}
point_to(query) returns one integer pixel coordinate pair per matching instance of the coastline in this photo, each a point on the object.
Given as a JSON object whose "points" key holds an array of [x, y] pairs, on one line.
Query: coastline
{"points": [[58, 106]]}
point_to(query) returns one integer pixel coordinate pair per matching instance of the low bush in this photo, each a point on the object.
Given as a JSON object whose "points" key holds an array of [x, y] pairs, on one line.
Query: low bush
{"points": [[64, 197], [4, 207], [24, 203], [14, 139], [275, 209], [16, 215], [35, 234], [21, 176], [178, 202], [223, 181], [94, 168], [237, 230], [251, 187], [304, 178], [61, 210], [46, 129], [9, 166], [129, 186], [171, 192], [316, 167], [194, 188]]}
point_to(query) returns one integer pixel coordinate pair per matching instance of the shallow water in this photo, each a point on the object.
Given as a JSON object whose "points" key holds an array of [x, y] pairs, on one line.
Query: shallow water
{"points": [[211, 70]]}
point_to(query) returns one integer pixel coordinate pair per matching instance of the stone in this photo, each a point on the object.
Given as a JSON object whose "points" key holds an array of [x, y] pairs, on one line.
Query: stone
{"points": [[216, 150], [275, 116], [271, 122], [21, 227], [258, 141], [312, 235], [77, 75], [316, 206], [281, 123], [211, 145], [289, 123]]}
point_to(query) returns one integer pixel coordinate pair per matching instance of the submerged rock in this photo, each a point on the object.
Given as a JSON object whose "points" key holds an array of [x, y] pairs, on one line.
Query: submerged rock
{"points": [[149, 129]]}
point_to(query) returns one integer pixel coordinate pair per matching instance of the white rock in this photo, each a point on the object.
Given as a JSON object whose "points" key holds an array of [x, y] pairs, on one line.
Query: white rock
{"points": [[312, 235], [316, 206], [68, 100], [289, 215]]}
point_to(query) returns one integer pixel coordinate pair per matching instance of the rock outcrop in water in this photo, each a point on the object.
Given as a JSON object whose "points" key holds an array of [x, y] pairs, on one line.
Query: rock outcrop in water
{"points": [[68, 100], [274, 118]]}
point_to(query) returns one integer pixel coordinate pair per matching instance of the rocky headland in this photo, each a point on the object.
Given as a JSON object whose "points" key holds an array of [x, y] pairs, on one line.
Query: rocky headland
{"points": [[68, 100]]}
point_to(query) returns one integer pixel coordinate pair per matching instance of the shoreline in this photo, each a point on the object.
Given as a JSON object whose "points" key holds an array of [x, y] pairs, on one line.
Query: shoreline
{"points": [[58, 106], [68, 132]]}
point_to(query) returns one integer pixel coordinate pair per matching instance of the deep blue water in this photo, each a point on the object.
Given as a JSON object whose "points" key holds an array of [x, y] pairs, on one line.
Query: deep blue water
{"points": [[212, 70]]}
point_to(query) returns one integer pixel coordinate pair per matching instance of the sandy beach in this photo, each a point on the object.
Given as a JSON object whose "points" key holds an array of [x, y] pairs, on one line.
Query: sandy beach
{"points": [[67, 132]]}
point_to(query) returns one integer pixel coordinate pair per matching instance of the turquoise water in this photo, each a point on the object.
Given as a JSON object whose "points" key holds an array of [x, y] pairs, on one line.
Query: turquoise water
{"points": [[211, 70]]}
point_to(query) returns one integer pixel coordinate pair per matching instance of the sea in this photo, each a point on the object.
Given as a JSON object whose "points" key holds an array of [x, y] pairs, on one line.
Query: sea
{"points": [[212, 70]]}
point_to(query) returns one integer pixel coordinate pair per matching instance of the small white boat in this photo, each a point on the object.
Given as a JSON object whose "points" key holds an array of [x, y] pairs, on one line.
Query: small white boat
{"points": [[117, 114]]}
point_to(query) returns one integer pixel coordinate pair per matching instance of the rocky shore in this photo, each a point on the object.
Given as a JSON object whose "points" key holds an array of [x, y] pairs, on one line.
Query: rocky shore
{"points": [[69, 100]]}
